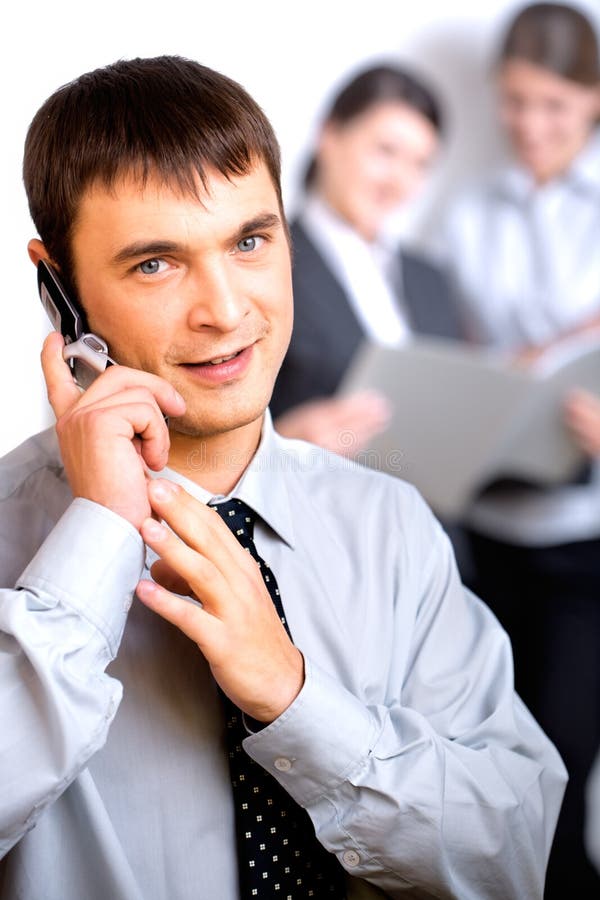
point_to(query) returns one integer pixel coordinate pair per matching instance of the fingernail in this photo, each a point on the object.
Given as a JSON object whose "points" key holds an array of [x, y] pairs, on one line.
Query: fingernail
{"points": [[154, 530], [146, 588], [163, 490]]}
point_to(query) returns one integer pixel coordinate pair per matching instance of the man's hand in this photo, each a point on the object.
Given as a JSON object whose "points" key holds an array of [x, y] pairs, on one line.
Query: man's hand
{"points": [[236, 627], [110, 433], [344, 425]]}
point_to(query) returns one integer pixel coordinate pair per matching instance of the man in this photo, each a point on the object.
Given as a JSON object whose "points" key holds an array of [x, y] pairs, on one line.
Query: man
{"points": [[389, 716]]}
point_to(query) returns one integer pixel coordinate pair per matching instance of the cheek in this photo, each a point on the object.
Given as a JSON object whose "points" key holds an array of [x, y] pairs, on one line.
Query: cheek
{"points": [[137, 342], [573, 125], [276, 305]]}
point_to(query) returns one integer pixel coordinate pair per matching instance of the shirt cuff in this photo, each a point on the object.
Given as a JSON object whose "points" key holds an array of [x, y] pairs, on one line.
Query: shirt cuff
{"points": [[322, 739], [91, 562]]}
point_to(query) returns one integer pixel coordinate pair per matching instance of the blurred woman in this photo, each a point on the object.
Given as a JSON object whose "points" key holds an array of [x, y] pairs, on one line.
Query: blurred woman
{"points": [[373, 153], [525, 249]]}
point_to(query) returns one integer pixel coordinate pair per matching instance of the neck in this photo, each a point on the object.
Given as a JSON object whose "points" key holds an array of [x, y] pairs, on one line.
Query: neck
{"points": [[215, 462], [338, 209]]}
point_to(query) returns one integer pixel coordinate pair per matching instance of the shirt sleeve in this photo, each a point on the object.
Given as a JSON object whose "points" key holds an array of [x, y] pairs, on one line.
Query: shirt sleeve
{"points": [[452, 790], [59, 628]]}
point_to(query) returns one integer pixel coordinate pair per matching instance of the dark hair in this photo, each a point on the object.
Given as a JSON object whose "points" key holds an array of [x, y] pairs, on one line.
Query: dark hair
{"points": [[555, 37], [166, 116], [379, 84]]}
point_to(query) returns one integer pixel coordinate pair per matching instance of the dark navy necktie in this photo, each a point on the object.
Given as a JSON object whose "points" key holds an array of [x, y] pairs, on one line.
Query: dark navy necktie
{"points": [[278, 853]]}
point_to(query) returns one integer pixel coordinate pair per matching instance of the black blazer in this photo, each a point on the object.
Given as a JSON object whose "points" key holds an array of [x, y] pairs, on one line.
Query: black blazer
{"points": [[326, 331]]}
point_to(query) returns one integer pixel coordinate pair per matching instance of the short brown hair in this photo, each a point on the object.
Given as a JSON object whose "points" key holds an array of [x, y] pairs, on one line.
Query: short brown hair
{"points": [[555, 37], [165, 116]]}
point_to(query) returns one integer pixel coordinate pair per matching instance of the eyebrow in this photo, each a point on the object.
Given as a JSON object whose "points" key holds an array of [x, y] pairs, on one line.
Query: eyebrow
{"points": [[145, 248], [262, 222]]}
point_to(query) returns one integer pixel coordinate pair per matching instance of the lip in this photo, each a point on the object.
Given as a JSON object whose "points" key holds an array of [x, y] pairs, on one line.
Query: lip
{"points": [[223, 372]]}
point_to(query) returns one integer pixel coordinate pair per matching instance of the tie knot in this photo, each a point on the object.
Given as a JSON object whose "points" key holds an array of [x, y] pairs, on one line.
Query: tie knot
{"points": [[238, 517]]}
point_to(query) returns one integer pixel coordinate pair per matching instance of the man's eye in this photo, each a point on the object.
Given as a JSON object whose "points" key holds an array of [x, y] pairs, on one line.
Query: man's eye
{"points": [[249, 243], [151, 266]]}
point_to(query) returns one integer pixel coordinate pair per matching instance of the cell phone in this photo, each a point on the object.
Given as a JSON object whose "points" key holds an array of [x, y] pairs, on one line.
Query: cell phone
{"points": [[86, 353]]}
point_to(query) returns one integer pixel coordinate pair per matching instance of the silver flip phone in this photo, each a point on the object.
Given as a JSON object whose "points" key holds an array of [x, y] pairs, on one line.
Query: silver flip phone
{"points": [[86, 353]]}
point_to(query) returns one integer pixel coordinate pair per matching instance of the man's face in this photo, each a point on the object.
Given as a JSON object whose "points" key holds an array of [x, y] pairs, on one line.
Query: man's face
{"points": [[174, 284]]}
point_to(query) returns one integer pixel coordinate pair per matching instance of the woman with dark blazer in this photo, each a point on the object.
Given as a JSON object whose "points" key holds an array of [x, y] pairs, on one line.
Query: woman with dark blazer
{"points": [[350, 282]]}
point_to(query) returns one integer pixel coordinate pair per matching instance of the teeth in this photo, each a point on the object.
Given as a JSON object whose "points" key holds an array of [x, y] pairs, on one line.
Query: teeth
{"points": [[216, 362]]}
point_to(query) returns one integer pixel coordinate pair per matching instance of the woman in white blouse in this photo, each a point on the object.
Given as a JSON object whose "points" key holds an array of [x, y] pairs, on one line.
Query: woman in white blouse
{"points": [[525, 251]]}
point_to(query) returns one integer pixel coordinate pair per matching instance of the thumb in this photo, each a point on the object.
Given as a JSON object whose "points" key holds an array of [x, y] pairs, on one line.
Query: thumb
{"points": [[61, 388]]}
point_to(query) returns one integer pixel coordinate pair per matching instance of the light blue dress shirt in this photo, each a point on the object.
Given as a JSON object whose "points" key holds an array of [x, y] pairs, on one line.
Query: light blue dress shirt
{"points": [[420, 768]]}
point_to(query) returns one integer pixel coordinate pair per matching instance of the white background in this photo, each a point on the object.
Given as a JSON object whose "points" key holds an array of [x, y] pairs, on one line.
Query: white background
{"points": [[290, 56]]}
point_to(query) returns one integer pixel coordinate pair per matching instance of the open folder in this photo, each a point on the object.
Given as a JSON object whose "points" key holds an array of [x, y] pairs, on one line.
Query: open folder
{"points": [[464, 417]]}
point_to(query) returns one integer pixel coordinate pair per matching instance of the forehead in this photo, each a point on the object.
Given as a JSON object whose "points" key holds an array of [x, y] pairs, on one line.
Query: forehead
{"points": [[525, 77], [149, 203], [392, 119]]}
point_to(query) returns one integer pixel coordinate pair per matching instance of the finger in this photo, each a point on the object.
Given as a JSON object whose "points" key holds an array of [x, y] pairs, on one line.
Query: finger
{"points": [[197, 524], [141, 421], [189, 617], [148, 429], [62, 391], [122, 378], [170, 579], [206, 581]]}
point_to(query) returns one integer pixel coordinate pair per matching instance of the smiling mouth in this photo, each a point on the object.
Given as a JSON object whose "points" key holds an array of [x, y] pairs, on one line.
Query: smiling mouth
{"points": [[217, 360]]}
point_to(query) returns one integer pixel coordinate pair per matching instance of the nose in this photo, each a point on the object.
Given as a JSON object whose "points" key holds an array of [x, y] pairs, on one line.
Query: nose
{"points": [[216, 299]]}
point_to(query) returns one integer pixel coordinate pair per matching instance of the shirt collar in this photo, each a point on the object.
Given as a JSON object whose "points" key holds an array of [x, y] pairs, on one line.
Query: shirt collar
{"points": [[321, 221], [585, 170], [262, 486]]}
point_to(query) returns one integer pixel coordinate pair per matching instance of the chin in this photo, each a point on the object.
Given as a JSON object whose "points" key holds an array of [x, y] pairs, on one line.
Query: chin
{"points": [[205, 424]]}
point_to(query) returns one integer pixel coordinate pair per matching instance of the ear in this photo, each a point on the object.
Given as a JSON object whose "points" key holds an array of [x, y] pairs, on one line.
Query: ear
{"points": [[37, 251]]}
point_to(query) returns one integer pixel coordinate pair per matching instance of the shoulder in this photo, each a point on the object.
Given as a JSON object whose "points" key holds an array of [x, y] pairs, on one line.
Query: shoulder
{"points": [[480, 197], [37, 457], [417, 263], [352, 491], [34, 494], [306, 256], [301, 241]]}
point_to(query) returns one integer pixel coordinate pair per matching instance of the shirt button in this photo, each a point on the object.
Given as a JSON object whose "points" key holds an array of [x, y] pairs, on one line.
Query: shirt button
{"points": [[282, 764], [350, 858]]}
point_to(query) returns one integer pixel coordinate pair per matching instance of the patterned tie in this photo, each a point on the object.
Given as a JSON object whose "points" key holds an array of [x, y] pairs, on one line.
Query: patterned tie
{"points": [[278, 852]]}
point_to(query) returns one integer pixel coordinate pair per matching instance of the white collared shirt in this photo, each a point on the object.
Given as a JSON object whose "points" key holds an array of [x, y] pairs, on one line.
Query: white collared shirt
{"points": [[526, 258], [526, 263], [370, 273]]}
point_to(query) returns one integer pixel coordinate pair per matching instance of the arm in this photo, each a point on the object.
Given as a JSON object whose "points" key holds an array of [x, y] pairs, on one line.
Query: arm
{"points": [[59, 629], [530, 355], [449, 786], [62, 624]]}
